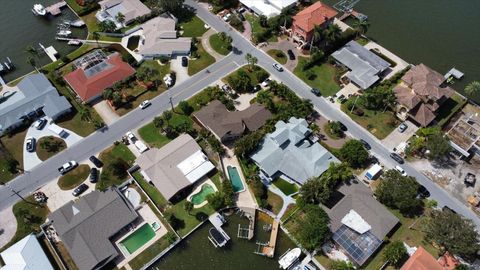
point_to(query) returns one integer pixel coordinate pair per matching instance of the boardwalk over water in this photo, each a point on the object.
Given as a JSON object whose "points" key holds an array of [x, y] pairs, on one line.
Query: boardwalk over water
{"points": [[269, 250], [55, 9]]}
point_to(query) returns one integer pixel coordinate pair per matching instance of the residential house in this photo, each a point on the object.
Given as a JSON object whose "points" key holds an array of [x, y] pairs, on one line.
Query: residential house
{"points": [[268, 8], [422, 260], [226, 125], [159, 38], [175, 166], [26, 254], [288, 151], [359, 222], [33, 97], [87, 225], [131, 9], [464, 136], [95, 72], [318, 14], [365, 67]]}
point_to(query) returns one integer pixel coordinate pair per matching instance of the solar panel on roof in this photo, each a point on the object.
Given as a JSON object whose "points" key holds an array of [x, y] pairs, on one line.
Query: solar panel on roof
{"points": [[97, 69], [358, 246]]}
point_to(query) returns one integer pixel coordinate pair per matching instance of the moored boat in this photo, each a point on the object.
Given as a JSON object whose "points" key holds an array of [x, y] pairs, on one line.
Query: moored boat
{"points": [[39, 9], [287, 259]]}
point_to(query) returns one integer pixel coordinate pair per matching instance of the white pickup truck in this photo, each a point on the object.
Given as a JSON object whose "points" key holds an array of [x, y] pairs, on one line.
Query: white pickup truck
{"points": [[138, 144]]}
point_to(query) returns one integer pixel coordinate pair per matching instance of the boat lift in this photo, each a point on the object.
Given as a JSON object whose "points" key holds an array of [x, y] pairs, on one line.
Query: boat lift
{"points": [[345, 6]]}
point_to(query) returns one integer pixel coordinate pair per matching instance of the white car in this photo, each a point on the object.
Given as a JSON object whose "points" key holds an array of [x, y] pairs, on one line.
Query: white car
{"points": [[68, 167], [277, 67], [40, 123], [227, 17], [30, 144], [400, 170], [144, 104], [131, 136], [266, 82], [206, 26]]}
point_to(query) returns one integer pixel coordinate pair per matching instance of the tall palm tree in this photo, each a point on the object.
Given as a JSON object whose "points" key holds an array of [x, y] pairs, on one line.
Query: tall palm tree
{"points": [[120, 18], [472, 89], [332, 33], [317, 36], [361, 26]]}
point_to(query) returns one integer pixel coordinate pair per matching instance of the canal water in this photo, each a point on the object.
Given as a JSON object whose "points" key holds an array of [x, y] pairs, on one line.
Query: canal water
{"points": [[440, 33], [20, 28], [196, 251]]}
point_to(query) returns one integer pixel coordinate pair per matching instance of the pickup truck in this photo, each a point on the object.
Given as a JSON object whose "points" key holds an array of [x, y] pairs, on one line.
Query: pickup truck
{"points": [[68, 167], [138, 144]]}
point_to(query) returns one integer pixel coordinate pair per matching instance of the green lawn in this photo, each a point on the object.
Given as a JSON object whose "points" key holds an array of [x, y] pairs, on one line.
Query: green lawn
{"points": [[189, 221], [253, 75], [286, 187], [256, 27], [151, 135], [193, 27], [275, 202], [148, 254], [380, 124], [91, 22], [73, 122], [108, 156], [323, 77], [278, 55], [449, 108], [43, 153], [14, 146], [151, 191], [219, 45], [74, 178], [30, 216], [204, 60]]}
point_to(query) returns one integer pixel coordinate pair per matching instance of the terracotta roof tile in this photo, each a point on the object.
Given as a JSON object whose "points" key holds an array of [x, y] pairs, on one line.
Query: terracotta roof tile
{"points": [[421, 260], [316, 14]]}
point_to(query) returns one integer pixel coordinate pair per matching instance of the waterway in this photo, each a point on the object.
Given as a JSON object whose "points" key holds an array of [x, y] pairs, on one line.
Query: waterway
{"points": [[439, 33], [20, 28], [196, 251]]}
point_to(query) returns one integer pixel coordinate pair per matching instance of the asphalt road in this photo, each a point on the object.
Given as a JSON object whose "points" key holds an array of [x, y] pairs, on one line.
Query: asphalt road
{"points": [[96, 142]]}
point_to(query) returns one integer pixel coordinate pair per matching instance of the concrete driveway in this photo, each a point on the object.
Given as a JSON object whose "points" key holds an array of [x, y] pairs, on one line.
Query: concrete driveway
{"points": [[30, 160], [8, 226], [395, 137], [285, 45], [182, 72], [106, 112]]}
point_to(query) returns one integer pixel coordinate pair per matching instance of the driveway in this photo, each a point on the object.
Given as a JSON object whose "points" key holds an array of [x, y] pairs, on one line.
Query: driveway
{"points": [[106, 112], [243, 101], [205, 39], [395, 137], [30, 160], [8, 226], [321, 122], [182, 72], [285, 45]]}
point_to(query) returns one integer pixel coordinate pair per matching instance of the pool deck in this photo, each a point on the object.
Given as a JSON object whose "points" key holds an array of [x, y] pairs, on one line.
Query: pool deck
{"points": [[198, 189]]}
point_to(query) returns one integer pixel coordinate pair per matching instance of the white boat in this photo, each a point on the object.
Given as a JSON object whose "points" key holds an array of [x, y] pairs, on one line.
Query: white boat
{"points": [[64, 33], [289, 258], [39, 9], [75, 42]]}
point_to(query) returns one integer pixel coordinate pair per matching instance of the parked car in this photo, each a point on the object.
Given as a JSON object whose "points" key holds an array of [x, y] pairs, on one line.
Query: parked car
{"points": [[144, 104], [277, 67], [131, 136], [291, 55], [469, 180], [402, 127], [30, 144], [40, 123], [266, 82], [400, 170], [68, 167], [97, 162], [241, 17], [397, 158], [315, 91], [79, 190], [206, 26], [241, 10], [365, 144], [423, 192], [257, 88], [341, 99], [446, 208], [184, 61], [226, 88], [342, 126], [93, 175], [227, 17]]}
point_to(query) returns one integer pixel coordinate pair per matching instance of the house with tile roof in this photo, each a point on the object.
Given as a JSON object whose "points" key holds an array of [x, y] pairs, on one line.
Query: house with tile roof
{"points": [[318, 14], [422, 260], [420, 94], [95, 72]]}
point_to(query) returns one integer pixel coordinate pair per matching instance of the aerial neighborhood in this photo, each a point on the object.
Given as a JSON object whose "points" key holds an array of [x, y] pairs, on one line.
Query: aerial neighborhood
{"points": [[244, 134]]}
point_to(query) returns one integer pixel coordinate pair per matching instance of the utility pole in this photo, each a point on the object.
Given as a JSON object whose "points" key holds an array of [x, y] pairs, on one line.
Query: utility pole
{"points": [[353, 107], [14, 191]]}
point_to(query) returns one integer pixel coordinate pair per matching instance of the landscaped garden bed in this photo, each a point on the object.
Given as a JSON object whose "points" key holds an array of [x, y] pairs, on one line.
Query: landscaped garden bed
{"points": [[74, 178], [219, 42], [49, 146], [278, 55]]}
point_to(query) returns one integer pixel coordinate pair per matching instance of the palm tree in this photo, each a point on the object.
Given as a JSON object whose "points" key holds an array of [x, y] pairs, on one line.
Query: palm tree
{"points": [[361, 26], [120, 18], [84, 114], [96, 37], [472, 89], [316, 37], [251, 60], [332, 33]]}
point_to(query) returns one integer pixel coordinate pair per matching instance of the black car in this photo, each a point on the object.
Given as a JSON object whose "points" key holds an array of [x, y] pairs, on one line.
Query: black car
{"points": [[79, 190], [93, 175], [291, 55], [342, 126], [257, 88], [397, 158], [184, 61], [241, 17], [365, 144], [96, 161], [423, 192], [315, 91], [30, 144], [446, 208]]}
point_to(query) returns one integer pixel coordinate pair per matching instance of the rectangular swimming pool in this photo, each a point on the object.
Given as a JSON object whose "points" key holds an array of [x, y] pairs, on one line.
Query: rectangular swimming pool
{"points": [[138, 238], [235, 179]]}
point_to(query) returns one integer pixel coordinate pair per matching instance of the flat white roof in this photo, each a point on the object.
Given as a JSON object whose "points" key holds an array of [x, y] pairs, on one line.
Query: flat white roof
{"points": [[195, 166], [373, 171], [355, 222], [268, 8]]}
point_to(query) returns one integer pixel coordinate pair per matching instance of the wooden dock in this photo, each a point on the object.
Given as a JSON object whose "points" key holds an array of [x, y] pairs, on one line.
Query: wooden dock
{"points": [[268, 249], [55, 9]]}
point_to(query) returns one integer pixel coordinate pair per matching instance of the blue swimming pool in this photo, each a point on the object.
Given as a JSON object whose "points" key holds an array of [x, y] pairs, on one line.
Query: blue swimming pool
{"points": [[235, 179]]}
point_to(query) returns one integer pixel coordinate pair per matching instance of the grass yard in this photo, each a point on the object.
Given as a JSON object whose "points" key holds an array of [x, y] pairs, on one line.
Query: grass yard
{"points": [[91, 22], [253, 75], [151, 191], [45, 152], [108, 157], [275, 202], [30, 216], [189, 221], [74, 178], [286, 187], [378, 123], [323, 77], [219, 45], [148, 254], [192, 27], [151, 135], [204, 60], [14, 146], [74, 122], [278, 55], [256, 27], [449, 108]]}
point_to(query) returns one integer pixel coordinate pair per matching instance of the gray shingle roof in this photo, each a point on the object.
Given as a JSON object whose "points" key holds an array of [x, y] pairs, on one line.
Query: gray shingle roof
{"points": [[287, 151], [86, 226], [32, 93], [131, 9], [364, 65], [160, 38]]}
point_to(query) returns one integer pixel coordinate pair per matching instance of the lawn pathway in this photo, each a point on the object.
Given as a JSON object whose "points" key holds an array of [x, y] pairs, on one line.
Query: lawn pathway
{"points": [[206, 44]]}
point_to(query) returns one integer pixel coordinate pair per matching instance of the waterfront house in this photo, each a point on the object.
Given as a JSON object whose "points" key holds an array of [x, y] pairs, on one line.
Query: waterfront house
{"points": [[420, 94], [25, 254], [226, 125], [269, 8], [95, 72], [422, 260], [289, 151], [365, 67], [159, 38], [359, 222], [175, 166], [86, 226], [464, 135], [34, 96], [131, 9], [304, 22]]}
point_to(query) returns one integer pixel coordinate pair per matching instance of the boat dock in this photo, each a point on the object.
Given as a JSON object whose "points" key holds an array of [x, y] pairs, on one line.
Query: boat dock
{"points": [[218, 236], [355, 14], [247, 232], [55, 9], [268, 249], [50, 51], [457, 74]]}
